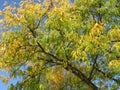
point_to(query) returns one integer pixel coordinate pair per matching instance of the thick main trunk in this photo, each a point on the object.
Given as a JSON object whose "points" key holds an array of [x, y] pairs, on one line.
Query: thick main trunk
{"points": [[79, 74]]}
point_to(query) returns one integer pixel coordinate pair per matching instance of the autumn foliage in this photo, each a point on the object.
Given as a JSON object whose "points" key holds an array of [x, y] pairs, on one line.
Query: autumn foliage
{"points": [[61, 45]]}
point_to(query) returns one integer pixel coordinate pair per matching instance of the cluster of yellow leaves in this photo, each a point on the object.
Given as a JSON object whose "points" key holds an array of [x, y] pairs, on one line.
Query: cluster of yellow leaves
{"points": [[116, 46], [79, 55], [26, 13], [2, 49], [33, 10], [34, 67], [114, 64], [56, 75], [12, 47], [114, 34], [2, 65], [14, 51], [4, 79], [97, 29], [11, 19], [73, 36], [60, 12], [94, 42]]}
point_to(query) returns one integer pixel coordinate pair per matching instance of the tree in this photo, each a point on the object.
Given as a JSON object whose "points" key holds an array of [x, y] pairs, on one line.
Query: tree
{"points": [[57, 44]]}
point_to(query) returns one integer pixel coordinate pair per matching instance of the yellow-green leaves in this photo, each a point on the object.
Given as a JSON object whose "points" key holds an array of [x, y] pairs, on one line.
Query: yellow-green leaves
{"points": [[97, 29], [116, 49], [56, 40], [56, 75], [27, 13], [4, 79], [79, 55], [114, 66], [115, 34]]}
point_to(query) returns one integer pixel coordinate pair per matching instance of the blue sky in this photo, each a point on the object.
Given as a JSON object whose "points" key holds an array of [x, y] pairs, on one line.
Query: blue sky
{"points": [[3, 86]]}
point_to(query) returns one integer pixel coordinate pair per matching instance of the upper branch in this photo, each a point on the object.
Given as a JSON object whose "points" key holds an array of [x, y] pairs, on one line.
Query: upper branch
{"points": [[107, 75], [93, 68]]}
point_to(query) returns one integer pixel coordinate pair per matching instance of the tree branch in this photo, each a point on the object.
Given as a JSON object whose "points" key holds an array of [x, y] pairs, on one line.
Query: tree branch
{"points": [[93, 68], [70, 67], [79, 74], [115, 41], [99, 13], [107, 75]]}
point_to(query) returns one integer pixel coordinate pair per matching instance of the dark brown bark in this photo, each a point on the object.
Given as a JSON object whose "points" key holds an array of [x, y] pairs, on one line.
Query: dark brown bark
{"points": [[79, 74], [93, 68]]}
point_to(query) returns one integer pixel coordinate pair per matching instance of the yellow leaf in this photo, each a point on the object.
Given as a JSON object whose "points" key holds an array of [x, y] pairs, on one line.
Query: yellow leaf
{"points": [[114, 63], [4, 79]]}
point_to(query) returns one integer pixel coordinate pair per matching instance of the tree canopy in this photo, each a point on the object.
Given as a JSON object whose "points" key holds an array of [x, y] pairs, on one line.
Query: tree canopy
{"points": [[61, 45]]}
